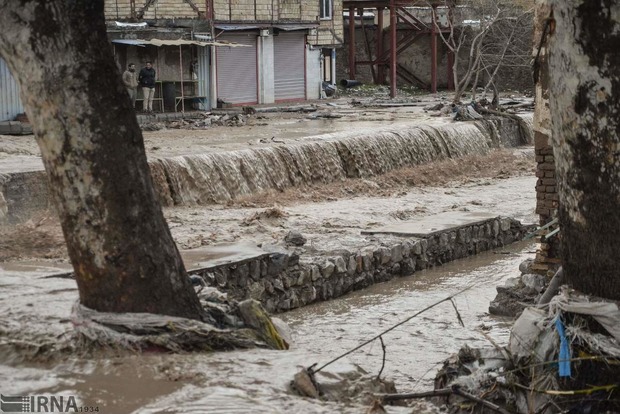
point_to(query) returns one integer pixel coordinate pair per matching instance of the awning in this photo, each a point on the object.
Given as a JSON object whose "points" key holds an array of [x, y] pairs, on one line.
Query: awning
{"points": [[178, 42], [285, 27], [229, 27], [291, 27], [134, 25]]}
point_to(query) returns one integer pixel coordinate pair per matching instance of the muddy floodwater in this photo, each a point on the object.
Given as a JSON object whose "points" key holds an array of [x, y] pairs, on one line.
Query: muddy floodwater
{"points": [[36, 308]]}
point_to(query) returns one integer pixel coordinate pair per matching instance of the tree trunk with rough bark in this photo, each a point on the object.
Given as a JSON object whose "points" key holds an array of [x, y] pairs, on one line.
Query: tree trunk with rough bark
{"points": [[124, 257], [584, 67]]}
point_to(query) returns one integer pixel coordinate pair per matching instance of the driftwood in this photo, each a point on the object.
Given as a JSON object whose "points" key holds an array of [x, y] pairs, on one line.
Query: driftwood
{"points": [[454, 390], [523, 127]]}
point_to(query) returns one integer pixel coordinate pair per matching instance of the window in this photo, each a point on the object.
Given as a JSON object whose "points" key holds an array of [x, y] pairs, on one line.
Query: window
{"points": [[327, 7]]}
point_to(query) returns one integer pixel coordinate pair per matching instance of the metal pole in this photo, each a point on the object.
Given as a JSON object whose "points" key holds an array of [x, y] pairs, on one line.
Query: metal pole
{"points": [[393, 49], [351, 42], [380, 67], [333, 69], [434, 51], [181, 70]]}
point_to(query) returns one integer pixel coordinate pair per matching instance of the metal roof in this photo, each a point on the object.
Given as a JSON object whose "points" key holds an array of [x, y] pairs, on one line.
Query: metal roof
{"points": [[178, 42], [286, 27]]}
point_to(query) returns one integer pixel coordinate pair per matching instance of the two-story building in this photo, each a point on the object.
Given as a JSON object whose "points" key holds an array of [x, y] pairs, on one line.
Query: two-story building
{"points": [[240, 52]]}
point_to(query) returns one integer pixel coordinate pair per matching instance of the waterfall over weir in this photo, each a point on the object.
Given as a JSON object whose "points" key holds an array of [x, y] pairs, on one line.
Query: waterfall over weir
{"points": [[220, 177]]}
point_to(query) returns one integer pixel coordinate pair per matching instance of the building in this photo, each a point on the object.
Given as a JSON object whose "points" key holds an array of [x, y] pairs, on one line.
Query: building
{"points": [[286, 47], [239, 52]]}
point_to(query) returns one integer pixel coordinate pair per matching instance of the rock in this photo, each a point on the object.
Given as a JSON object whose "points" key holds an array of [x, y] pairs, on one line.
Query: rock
{"points": [[256, 317], [283, 329], [304, 385], [315, 273], [417, 248], [511, 282], [534, 281], [352, 266], [526, 265], [295, 238], [327, 269], [505, 224], [256, 290], [397, 253], [341, 266]]}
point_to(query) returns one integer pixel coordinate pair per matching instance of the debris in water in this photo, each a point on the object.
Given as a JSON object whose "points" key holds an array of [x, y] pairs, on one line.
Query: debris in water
{"points": [[295, 238]]}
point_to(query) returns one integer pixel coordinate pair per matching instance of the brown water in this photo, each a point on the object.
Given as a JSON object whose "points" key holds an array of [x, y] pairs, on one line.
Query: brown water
{"points": [[35, 308], [220, 177]]}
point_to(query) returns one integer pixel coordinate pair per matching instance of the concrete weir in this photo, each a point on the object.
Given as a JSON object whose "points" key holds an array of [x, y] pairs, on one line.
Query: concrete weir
{"points": [[284, 279], [209, 178]]}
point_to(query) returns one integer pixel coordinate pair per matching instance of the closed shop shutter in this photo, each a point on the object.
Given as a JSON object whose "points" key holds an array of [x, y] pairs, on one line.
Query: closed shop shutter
{"points": [[290, 66], [237, 80]]}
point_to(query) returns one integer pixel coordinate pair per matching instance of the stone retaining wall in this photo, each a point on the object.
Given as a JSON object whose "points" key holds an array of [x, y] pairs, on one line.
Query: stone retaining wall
{"points": [[288, 280]]}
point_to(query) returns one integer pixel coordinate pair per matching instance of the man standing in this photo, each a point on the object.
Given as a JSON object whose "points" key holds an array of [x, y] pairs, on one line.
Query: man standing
{"points": [[131, 83], [147, 82]]}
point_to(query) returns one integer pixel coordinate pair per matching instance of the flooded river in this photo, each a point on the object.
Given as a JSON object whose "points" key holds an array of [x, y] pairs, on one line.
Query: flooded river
{"points": [[36, 308]]}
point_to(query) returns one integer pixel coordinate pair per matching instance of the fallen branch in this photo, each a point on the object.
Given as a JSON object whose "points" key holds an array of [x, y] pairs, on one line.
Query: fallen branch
{"points": [[363, 344], [382, 362], [454, 390]]}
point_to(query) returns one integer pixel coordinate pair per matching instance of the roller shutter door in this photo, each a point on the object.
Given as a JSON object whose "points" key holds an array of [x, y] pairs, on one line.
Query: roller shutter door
{"points": [[290, 66], [237, 80]]}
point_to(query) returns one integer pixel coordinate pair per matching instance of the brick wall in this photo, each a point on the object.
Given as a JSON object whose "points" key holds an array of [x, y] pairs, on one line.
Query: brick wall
{"points": [[159, 9], [547, 256], [117, 9]]}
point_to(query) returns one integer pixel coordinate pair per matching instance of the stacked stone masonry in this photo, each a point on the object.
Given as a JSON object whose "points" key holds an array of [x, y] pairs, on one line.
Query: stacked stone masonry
{"points": [[287, 280], [547, 198]]}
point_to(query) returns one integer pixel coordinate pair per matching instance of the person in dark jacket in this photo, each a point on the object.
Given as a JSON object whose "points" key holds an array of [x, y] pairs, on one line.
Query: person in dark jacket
{"points": [[146, 78]]}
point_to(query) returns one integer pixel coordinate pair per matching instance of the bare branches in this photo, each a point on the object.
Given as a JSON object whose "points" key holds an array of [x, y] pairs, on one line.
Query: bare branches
{"points": [[484, 36], [454, 390]]}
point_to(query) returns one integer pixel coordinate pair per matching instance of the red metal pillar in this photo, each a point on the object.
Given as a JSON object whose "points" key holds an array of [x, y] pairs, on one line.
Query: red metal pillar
{"points": [[392, 49], [434, 51], [380, 67], [351, 43]]}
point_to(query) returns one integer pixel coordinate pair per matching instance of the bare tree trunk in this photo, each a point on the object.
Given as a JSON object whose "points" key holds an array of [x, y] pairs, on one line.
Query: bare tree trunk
{"points": [[585, 108], [124, 257]]}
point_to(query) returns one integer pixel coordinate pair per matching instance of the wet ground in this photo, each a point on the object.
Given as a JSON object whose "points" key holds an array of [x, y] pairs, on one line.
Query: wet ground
{"points": [[21, 153], [36, 309]]}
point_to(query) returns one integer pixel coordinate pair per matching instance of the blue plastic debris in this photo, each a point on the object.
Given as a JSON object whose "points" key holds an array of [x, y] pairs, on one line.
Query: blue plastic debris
{"points": [[564, 357]]}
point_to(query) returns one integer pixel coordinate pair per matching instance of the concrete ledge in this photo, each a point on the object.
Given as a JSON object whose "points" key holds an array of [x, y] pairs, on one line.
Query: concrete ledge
{"points": [[284, 280], [15, 128], [288, 280], [428, 226]]}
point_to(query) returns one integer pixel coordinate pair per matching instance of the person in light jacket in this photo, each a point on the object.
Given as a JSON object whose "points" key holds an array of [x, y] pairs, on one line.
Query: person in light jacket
{"points": [[130, 80]]}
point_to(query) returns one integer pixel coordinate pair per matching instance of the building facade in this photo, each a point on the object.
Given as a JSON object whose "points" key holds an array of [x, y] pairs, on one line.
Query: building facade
{"points": [[235, 52]]}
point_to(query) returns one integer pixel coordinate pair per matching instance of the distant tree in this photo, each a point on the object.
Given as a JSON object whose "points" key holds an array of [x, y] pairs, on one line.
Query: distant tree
{"points": [[123, 254], [584, 68], [485, 36]]}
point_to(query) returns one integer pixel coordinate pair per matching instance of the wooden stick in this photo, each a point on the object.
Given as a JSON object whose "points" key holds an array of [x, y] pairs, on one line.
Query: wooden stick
{"points": [[443, 392]]}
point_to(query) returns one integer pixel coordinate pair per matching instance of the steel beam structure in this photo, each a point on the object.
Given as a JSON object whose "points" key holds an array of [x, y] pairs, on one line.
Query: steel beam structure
{"points": [[410, 30]]}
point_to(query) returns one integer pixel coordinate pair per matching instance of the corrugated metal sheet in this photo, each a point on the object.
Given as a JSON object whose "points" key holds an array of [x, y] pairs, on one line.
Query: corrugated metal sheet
{"points": [[10, 102], [289, 66], [237, 78], [204, 77]]}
